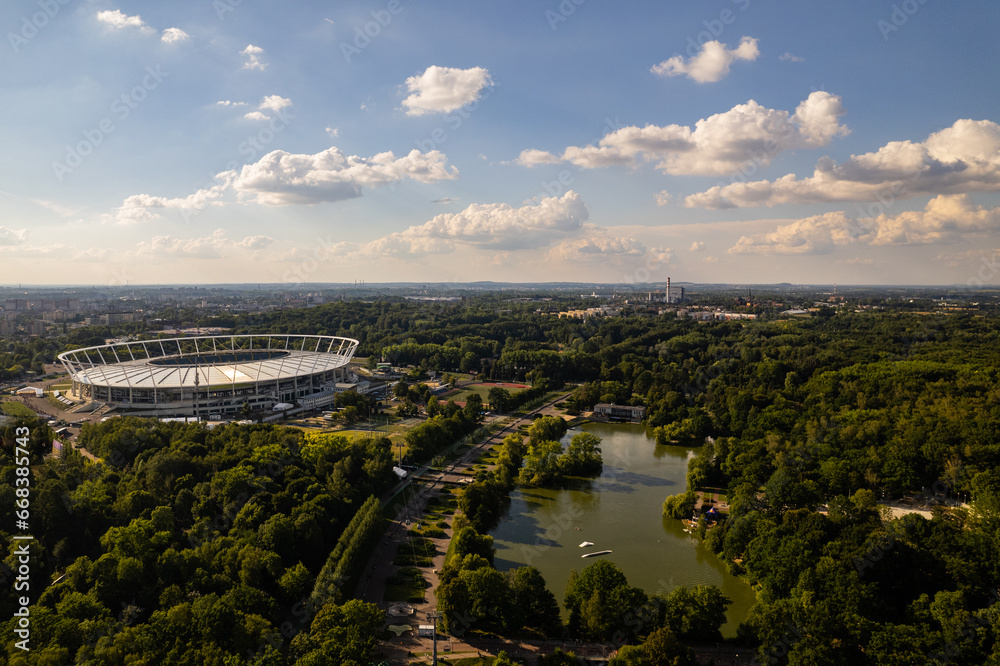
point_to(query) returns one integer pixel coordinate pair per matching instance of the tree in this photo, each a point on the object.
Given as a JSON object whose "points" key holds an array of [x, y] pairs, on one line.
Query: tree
{"points": [[679, 506], [499, 399], [537, 605], [548, 429], [592, 586], [661, 648], [469, 542], [474, 407], [344, 634], [696, 614], [583, 457]]}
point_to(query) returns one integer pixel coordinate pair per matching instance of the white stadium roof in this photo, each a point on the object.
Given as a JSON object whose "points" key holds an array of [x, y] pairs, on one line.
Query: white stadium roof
{"points": [[209, 361]]}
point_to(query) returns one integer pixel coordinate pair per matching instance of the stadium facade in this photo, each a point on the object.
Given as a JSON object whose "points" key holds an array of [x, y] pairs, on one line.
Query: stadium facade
{"points": [[210, 376]]}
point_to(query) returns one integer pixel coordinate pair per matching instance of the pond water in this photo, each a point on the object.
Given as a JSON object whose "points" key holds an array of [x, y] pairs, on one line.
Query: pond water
{"points": [[619, 511]]}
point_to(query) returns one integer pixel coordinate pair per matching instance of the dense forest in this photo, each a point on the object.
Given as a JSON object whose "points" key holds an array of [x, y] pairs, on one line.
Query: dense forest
{"points": [[806, 424], [199, 546]]}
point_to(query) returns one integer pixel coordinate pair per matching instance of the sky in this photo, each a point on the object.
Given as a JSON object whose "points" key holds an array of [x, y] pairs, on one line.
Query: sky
{"points": [[722, 141]]}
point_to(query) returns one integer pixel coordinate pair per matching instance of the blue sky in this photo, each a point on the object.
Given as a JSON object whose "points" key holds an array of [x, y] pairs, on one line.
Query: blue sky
{"points": [[727, 141]]}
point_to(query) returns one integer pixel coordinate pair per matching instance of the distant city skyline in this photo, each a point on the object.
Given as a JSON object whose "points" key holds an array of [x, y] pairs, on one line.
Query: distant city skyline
{"points": [[727, 141]]}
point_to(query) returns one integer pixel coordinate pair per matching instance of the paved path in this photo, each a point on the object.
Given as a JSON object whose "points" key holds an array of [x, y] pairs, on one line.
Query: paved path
{"points": [[411, 498]]}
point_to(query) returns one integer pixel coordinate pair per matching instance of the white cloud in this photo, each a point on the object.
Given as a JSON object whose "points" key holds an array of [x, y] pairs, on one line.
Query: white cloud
{"points": [[443, 89], [711, 63], [788, 56], [333, 132], [962, 158], [271, 104], [533, 157], [496, 226], [662, 198], [719, 144], [601, 247], [174, 35], [116, 19], [697, 246], [945, 218], [10, 236], [226, 102], [275, 103], [281, 179], [253, 60], [141, 207], [214, 246]]}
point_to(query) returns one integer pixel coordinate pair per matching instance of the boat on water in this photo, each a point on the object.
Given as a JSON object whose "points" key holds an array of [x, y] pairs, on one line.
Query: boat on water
{"points": [[596, 553], [586, 543]]}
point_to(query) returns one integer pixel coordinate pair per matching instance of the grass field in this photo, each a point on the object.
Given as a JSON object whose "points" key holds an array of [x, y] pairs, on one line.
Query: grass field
{"points": [[17, 409], [483, 390], [407, 584]]}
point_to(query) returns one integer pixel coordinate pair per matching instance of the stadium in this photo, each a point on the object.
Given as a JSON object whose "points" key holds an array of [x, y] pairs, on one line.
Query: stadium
{"points": [[210, 376]]}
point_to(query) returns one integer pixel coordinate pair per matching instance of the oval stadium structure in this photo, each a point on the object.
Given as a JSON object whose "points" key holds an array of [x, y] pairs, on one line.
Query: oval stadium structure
{"points": [[210, 375]]}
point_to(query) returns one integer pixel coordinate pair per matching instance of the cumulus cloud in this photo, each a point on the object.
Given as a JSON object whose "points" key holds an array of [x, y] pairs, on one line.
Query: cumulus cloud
{"points": [[10, 236], [533, 157], [253, 61], [945, 218], [117, 20], [214, 246], [711, 63], [332, 132], [496, 226], [174, 35], [226, 102], [143, 207], [697, 246], [962, 158], [275, 103], [601, 247], [281, 179], [443, 89], [662, 198], [788, 56], [719, 144], [272, 104]]}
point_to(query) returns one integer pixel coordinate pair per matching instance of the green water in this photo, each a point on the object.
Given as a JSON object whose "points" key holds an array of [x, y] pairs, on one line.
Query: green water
{"points": [[618, 511]]}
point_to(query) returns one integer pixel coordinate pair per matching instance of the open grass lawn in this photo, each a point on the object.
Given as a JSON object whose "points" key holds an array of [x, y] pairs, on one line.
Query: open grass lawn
{"points": [[17, 409], [406, 584], [460, 395]]}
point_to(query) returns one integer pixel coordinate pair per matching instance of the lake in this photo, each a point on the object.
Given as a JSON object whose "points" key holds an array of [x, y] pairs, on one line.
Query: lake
{"points": [[619, 511]]}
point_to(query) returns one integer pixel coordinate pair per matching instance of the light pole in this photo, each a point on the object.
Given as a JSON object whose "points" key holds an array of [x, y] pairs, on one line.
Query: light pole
{"points": [[434, 618]]}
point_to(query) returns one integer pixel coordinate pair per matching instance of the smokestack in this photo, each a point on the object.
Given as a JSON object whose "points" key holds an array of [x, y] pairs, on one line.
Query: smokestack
{"points": [[668, 291]]}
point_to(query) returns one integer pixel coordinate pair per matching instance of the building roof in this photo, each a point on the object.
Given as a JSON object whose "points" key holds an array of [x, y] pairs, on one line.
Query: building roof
{"points": [[212, 361]]}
